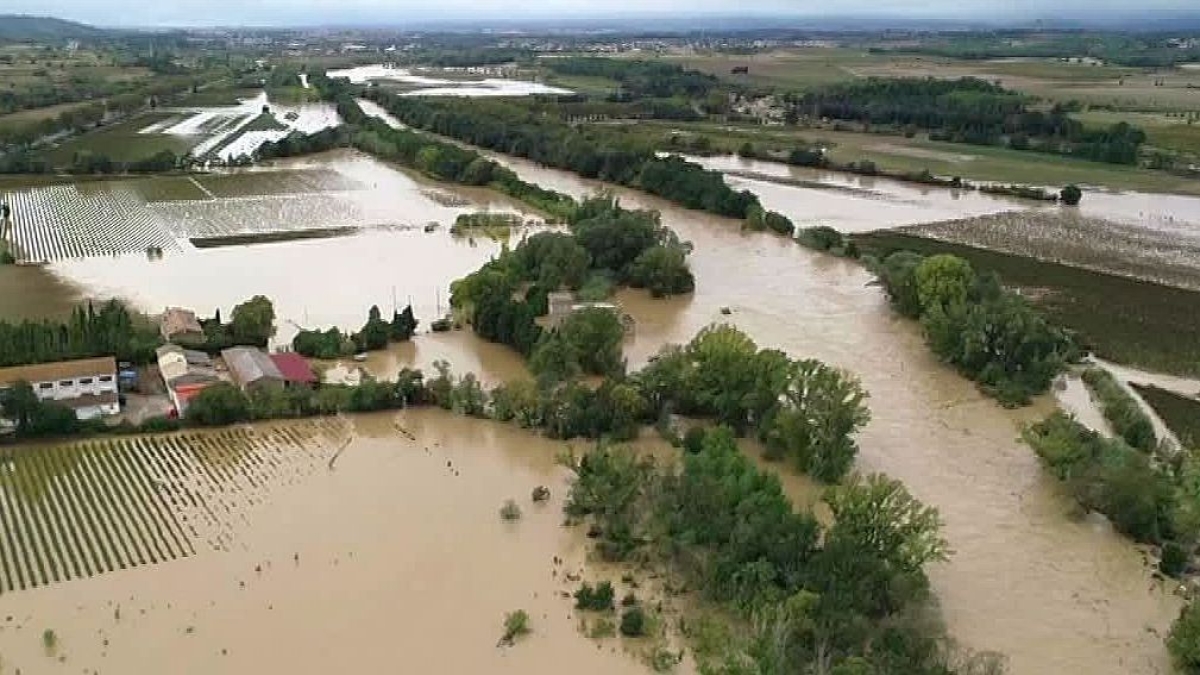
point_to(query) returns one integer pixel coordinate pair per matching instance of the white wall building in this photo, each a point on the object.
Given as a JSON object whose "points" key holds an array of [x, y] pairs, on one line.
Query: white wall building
{"points": [[87, 386]]}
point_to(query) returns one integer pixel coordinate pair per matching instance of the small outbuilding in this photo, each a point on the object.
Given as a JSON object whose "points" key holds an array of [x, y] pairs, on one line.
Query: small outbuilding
{"points": [[295, 369]]}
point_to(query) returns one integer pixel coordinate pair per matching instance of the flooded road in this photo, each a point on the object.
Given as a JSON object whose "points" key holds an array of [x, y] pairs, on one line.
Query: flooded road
{"points": [[1055, 594], [396, 555]]}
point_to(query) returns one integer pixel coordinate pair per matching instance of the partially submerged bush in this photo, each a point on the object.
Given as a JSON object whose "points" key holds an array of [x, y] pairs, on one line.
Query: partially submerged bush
{"points": [[598, 598], [510, 511], [633, 622], [516, 624]]}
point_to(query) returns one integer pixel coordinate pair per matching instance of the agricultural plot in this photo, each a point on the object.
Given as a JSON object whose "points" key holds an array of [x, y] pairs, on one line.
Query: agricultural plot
{"points": [[61, 221], [251, 215], [82, 509], [1165, 252], [261, 183]]}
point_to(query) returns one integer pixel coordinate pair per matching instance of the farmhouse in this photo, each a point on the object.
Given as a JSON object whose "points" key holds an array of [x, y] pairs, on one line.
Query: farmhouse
{"points": [[87, 386], [252, 369], [181, 326]]}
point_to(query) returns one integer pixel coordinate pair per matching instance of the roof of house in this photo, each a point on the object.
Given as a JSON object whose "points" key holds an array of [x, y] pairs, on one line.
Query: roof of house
{"points": [[294, 367], [192, 378], [177, 320], [248, 364], [59, 370]]}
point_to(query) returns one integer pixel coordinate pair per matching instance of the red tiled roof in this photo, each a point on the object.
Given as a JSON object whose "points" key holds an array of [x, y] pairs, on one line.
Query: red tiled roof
{"points": [[294, 367]]}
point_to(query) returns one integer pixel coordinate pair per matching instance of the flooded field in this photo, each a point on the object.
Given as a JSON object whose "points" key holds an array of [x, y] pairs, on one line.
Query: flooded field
{"points": [[1165, 252], [111, 218], [79, 510], [851, 203], [420, 85], [1027, 578], [392, 554], [225, 133]]}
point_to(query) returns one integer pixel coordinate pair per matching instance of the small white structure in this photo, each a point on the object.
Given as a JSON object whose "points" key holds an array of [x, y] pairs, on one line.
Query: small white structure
{"points": [[87, 386]]}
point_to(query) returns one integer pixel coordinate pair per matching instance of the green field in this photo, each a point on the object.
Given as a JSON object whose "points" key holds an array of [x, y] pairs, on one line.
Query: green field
{"points": [[897, 153], [1125, 320], [121, 142], [214, 97], [1181, 414]]}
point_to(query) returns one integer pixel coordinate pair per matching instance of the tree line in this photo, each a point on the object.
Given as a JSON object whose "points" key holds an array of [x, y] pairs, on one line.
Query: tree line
{"points": [[640, 79], [514, 129], [969, 110], [375, 334], [110, 330]]}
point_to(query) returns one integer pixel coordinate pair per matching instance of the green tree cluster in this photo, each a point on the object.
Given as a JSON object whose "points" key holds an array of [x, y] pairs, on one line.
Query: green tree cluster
{"points": [[803, 410], [970, 110], [832, 598], [375, 334], [990, 334]]}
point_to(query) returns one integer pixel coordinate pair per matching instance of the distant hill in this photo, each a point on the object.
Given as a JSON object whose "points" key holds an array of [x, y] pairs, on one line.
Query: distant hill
{"points": [[16, 27]]}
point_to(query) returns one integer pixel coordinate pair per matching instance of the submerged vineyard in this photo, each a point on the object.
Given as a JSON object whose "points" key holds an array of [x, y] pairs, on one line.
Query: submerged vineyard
{"points": [[77, 510], [61, 222]]}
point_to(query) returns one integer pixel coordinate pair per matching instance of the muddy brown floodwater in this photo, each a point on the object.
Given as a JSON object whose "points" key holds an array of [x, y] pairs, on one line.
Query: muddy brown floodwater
{"points": [[394, 560], [1055, 593]]}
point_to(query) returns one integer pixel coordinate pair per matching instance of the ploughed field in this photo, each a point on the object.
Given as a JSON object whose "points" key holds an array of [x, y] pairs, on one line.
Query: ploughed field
{"points": [[77, 510]]}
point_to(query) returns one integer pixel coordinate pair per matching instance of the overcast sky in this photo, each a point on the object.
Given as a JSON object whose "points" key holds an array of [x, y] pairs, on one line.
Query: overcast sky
{"points": [[398, 12]]}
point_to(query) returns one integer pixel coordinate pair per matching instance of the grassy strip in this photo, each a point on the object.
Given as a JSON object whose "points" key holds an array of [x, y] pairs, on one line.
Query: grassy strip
{"points": [[1125, 320], [272, 237], [1180, 413], [1121, 409]]}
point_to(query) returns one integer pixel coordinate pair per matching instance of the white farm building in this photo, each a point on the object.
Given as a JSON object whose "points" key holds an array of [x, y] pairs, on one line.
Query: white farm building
{"points": [[87, 386]]}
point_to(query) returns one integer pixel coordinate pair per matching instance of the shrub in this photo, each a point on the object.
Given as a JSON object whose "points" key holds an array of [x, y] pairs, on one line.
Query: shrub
{"points": [[633, 622], [1121, 410], [1184, 640], [49, 639], [595, 599], [516, 624], [693, 440], [510, 511], [1174, 559], [1070, 195]]}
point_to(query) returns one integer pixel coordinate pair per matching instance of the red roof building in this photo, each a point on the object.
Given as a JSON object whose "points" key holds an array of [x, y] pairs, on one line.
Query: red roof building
{"points": [[295, 369]]}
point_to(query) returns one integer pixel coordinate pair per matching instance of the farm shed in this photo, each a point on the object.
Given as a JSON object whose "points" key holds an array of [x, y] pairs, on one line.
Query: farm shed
{"points": [[252, 369]]}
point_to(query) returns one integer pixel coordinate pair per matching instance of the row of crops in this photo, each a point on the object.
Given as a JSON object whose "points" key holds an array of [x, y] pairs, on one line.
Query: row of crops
{"points": [[61, 222], [77, 510], [255, 215]]}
